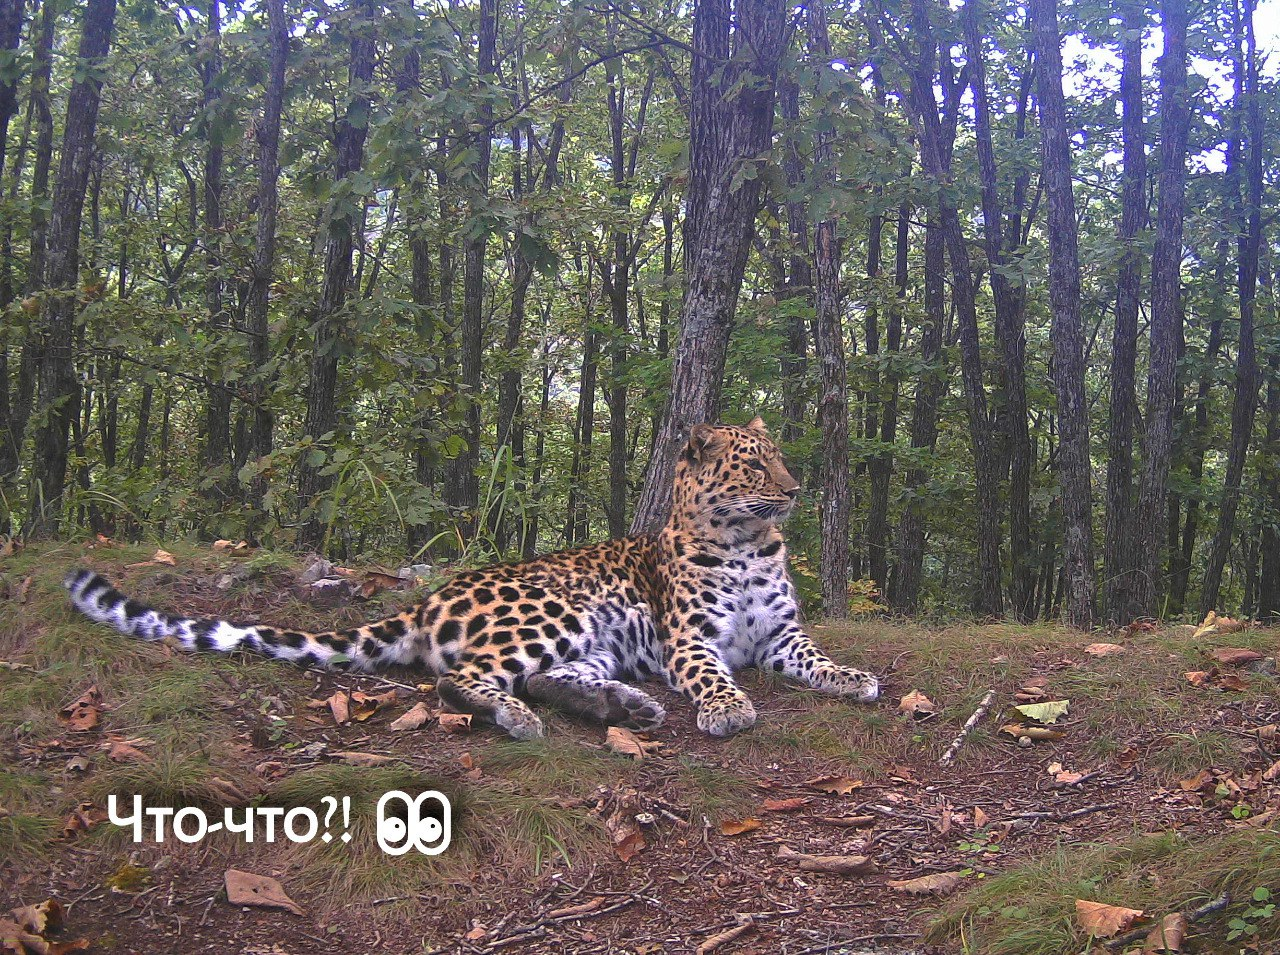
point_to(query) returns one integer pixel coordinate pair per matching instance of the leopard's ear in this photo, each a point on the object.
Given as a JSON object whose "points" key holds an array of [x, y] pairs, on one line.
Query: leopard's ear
{"points": [[757, 424], [702, 439]]}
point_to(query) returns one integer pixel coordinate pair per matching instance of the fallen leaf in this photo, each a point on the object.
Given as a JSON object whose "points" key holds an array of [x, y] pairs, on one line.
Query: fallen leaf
{"points": [[1199, 781], [245, 888], [124, 751], [939, 883], [917, 705], [454, 722], [83, 818], [1103, 921], [164, 557], [20, 594], [1167, 936], [1229, 681], [375, 582], [841, 785], [478, 931], [1103, 649], [227, 546], [9, 547], [414, 718], [736, 827], [1235, 656], [1048, 712], [980, 818], [1272, 772], [38, 919], [786, 805], [627, 743], [363, 759], [85, 712], [364, 705], [836, 865], [340, 706], [78, 764], [625, 834]]}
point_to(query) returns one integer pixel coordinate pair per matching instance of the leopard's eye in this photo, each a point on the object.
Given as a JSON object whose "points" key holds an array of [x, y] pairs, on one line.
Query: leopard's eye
{"points": [[758, 465]]}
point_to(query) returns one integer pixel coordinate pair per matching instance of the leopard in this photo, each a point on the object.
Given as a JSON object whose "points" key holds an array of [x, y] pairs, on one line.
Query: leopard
{"points": [[706, 595]]}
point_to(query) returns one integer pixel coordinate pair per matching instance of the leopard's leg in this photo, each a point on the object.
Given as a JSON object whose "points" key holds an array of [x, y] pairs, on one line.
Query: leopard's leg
{"points": [[468, 688], [695, 668], [792, 653], [585, 688]]}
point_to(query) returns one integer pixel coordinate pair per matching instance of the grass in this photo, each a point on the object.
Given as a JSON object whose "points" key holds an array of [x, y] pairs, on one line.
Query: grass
{"points": [[1030, 909]]}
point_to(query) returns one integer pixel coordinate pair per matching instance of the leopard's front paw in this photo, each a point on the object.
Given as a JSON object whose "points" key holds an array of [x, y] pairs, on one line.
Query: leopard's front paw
{"points": [[863, 687], [726, 716], [519, 721]]}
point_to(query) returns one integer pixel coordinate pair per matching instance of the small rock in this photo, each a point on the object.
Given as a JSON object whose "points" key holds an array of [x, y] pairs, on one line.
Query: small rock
{"points": [[414, 570], [318, 570], [329, 592], [225, 582]]}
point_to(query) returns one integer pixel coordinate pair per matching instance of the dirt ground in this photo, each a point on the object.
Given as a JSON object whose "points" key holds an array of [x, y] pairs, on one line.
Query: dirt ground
{"points": [[563, 845]]}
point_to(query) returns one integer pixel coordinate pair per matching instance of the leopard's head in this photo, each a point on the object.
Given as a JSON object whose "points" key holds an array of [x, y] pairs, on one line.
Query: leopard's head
{"points": [[732, 480]]}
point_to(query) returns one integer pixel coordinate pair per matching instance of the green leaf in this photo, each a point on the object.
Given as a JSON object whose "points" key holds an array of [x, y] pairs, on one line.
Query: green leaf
{"points": [[1047, 712]]}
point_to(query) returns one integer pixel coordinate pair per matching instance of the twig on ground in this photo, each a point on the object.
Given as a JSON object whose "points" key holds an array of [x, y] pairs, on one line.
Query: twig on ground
{"points": [[1209, 908], [724, 938], [1065, 816], [973, 721]]}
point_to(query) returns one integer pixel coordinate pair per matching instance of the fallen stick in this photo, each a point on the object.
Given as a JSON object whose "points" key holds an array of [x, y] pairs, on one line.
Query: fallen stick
{"points": [[973, 721], [724, 938], [1209, 908], [838, 865], [846, 822]]}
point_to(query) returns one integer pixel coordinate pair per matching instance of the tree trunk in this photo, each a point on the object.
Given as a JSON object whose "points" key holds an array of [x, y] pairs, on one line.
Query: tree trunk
{"points": [[330, 334], [1120, 558], [798, 276], [11, 16], [1166, 313], [908, 571], [59, 387], [833, 398], [731, 125], [1246, 150], [1010, 334], [936, 160], [1074, 472], [23, 395], [258, 300], [1269, 577], [463, 482]]}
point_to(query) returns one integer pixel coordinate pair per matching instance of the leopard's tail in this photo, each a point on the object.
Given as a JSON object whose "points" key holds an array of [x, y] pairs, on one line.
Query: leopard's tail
{"points": [[363, 648]]}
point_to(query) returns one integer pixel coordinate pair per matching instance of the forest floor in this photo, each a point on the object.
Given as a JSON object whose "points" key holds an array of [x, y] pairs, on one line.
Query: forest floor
{"points": [[1158, 796]]}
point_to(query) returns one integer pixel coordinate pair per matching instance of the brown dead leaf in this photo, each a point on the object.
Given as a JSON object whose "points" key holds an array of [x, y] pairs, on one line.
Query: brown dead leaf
{"points": [[917, 705], [1103, 921], [1196, 783], [23, 588], [454, 722], [364, 705], [83, 818], [354, 758], [164, 557], [84, 713], [1272, 772], [939, 883], [840, 785], [9, 547], [232, 547], [375, 582], [126, 750], [626, 743], [1200, 677], [340, 706], [246, 888], [785, 805], [1167, 936], [1231, 682], [624, 833], [836, 865], [1103, 649], [1235, 656], [736, 827], [980, 818], [721, 939], [414, 718], [38, 919]]}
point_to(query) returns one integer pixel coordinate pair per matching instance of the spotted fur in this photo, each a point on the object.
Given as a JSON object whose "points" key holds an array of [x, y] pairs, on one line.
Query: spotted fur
{"points": [[706, 595]]}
